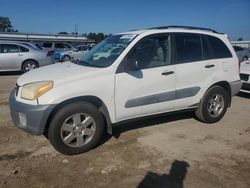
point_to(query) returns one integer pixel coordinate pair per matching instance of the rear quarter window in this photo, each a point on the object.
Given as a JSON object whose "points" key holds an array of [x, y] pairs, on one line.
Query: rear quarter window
{"points": [[219, 48], [23, 49], [47, 45]]}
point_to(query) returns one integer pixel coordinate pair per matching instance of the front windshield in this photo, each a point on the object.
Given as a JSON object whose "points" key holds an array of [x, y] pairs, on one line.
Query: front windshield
{"points": [[106, 52]]}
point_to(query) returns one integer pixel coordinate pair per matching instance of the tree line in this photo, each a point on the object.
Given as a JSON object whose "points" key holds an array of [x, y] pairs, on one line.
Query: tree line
{"points": [[5, 25], [97, 37]]}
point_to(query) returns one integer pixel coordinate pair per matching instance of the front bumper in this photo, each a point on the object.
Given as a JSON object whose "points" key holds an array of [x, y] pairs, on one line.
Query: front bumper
{"points": [[245, 79], [30, 118]]}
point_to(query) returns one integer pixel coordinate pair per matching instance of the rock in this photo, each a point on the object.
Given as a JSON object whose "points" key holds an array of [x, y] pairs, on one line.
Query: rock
{"points": [[144, 164], [104, 172], [65, 161], [15, 171]]}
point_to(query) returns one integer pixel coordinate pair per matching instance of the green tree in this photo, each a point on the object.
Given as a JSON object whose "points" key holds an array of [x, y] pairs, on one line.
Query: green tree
{"points": [[97, 37], [5, 25]]}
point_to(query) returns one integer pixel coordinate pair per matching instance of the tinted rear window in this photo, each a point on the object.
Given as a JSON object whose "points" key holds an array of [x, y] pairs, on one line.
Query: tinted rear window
{"points": [[207, 50], [188, 47], [220, 50], [62, 46], [23, 49], [47, 45]]}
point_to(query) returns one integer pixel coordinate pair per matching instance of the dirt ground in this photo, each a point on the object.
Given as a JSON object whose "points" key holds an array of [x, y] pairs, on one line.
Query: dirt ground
{"points": [[168, 151]]}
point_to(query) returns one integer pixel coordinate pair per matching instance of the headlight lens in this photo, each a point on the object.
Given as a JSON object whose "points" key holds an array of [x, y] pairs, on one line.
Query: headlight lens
{"points": [[34, 90]]}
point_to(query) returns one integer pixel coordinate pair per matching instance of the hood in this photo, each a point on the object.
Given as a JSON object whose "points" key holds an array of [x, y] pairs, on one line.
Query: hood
{"points": [[56, 72], [245, 67]]}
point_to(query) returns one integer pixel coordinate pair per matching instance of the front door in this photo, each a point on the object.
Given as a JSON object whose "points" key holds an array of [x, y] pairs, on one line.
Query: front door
{"points": [[149, 87]]}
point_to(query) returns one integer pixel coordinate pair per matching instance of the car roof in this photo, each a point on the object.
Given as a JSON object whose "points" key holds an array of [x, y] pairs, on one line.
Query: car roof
{"points": [[187, 29], [21, 43]]}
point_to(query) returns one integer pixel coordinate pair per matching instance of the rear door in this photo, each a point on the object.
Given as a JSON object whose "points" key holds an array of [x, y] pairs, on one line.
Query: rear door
{"points": [[192, 70], [199, 60]]}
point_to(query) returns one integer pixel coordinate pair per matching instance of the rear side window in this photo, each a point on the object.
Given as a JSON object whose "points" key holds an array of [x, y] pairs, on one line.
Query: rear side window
{"points": [[9, 48], [47, 45], [66, 46], [188, 47], [59, 45], [220, 50], [23, 49], [62, 46], [207, 50]]}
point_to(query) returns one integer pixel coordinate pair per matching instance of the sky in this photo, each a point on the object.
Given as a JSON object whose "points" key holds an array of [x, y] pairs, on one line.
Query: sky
{"points": [[114, 16]]}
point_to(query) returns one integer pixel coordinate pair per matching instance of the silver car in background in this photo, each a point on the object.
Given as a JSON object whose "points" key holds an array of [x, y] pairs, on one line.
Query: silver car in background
{"points": [[16, 56], [242, 53]]}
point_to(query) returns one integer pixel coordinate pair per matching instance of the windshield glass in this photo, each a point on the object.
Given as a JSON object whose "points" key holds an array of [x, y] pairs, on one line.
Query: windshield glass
{"points": [[107, 51]]}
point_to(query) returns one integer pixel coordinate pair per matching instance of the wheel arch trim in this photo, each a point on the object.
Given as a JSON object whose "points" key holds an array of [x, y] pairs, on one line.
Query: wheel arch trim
{"points": [[97, 102]]}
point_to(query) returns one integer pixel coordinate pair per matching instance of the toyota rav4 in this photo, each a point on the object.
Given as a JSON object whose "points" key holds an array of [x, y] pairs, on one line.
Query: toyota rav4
{"points": [[157, 70]]}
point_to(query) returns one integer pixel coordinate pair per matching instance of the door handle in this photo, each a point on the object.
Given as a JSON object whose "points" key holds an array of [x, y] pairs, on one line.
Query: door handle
{"points": [[167, 73], [20, 54], [209, 66]]}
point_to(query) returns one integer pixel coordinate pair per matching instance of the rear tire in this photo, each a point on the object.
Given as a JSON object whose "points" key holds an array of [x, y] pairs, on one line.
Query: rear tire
{"points": [[29, 65], [213, 105], [76, 128]]}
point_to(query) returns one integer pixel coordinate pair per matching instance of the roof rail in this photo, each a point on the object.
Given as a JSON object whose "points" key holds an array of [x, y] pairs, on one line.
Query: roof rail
{"points": [[185, 27]]}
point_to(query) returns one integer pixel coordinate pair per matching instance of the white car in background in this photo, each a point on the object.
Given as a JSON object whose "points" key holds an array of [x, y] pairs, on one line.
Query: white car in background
{"points": [[245, 76], [78, 52], [103, 55]]}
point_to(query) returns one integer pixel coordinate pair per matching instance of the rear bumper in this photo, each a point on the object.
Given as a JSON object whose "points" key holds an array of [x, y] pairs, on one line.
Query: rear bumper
{"points": [[235, 87], [30, 118]]}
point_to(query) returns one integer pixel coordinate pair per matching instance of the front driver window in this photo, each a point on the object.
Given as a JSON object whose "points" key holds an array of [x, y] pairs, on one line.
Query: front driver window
{"points": [[151, 52]]}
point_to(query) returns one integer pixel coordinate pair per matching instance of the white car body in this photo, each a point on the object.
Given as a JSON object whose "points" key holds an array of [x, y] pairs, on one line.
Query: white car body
{"points": [[245, 76], [127, 95]]}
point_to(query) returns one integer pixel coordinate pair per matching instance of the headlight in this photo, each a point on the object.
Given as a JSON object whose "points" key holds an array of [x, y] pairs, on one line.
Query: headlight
{"points": [[34, 90]]}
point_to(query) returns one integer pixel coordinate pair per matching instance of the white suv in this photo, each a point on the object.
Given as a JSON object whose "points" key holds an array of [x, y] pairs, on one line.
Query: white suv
{"points": [[158, 70]]}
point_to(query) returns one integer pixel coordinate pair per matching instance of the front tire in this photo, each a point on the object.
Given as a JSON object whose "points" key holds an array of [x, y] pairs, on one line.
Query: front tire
{"points": [[66, 58], [213, 105], [76, 128]]}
